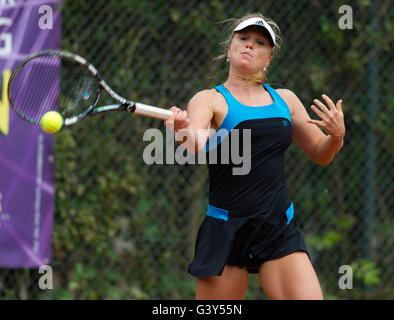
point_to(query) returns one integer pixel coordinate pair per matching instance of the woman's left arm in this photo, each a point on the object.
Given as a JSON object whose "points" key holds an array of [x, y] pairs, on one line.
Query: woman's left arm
{"points": [[319, 147]]}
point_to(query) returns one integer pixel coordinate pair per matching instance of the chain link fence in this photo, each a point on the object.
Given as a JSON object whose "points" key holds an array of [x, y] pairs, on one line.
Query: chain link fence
{"points": [[126, 230]]}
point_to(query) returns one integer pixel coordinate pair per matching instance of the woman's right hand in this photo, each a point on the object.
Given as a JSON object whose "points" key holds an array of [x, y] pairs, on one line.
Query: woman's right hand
{"points": [[178, 120]]}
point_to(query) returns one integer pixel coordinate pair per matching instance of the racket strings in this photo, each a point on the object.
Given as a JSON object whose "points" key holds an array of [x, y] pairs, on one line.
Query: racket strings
{"points": [[51, 82], [84, 92]]}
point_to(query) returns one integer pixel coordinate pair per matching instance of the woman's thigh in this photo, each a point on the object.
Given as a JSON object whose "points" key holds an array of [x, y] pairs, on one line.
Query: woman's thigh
{"points": [[230, 285], [290, 278]]}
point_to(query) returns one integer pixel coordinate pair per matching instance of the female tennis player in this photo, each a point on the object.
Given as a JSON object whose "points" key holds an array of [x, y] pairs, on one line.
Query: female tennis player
{"points": [[249, 226]]}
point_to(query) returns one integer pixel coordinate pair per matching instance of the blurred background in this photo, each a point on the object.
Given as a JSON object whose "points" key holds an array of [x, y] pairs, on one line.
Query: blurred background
{"points": [[126, 230]]}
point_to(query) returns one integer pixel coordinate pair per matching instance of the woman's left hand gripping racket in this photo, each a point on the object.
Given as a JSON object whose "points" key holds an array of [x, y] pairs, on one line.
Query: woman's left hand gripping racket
{"points": [[64, 82]]}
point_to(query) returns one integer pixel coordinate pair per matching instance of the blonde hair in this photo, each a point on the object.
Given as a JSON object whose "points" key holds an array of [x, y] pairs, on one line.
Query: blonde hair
{"points": [[261, 76]]}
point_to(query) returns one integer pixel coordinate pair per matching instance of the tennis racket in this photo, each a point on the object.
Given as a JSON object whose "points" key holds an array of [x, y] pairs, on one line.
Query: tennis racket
{"points": [[55, 80]]}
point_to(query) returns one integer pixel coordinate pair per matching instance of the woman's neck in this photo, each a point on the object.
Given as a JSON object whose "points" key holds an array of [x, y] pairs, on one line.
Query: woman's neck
{"points": [[241, 87], [239, 82]]}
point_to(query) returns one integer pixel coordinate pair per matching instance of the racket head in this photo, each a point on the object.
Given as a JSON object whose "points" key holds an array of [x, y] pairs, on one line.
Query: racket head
{"points": [[54, 80]]}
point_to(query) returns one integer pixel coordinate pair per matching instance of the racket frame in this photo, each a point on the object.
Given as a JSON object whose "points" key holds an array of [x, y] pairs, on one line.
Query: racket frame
{"points": [[124, 104]]}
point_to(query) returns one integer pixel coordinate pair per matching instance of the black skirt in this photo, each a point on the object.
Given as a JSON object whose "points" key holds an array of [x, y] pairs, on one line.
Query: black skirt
{"points": [[243, 242]]}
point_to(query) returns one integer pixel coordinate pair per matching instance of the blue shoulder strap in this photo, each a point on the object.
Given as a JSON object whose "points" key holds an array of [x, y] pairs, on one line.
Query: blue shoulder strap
{"points": [[279, 100], [227, 95]]}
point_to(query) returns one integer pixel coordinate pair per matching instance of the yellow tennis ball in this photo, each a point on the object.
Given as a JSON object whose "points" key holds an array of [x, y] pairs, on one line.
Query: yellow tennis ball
{"points": [[51, 121]]}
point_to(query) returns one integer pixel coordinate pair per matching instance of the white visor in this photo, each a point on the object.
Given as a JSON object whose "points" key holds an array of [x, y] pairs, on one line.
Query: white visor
{"points": [[256, 22]]}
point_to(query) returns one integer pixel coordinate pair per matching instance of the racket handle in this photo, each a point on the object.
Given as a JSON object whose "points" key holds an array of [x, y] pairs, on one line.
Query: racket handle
{"points": [[152, 112]]}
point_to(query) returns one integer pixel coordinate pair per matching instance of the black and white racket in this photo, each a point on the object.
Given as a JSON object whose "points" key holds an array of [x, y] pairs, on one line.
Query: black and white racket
{"points": [[61, 81]]}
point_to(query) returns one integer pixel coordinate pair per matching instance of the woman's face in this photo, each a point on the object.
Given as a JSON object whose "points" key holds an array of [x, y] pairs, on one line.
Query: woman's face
{"points": [[250, 50]]}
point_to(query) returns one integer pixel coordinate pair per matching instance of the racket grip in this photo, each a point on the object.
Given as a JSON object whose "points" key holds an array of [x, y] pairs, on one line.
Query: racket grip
{"points": [[151, 111]]}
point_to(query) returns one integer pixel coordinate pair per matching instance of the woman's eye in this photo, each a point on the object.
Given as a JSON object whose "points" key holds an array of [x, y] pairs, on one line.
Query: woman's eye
{"points": [[260, 42], [243, 38]]}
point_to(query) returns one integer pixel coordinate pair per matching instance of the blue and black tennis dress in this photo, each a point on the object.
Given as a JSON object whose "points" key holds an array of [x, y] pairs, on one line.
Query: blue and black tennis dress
{"points": [[249, 218]]}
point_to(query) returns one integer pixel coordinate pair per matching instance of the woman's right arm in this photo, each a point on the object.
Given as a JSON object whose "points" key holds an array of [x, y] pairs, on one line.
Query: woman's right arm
{"points": [[192, 127]]}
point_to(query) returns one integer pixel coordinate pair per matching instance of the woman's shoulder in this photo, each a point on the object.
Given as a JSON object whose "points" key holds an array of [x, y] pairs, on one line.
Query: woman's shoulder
{"points": [[209, 97], [285, 93], [206, 94], [209, 100]]}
